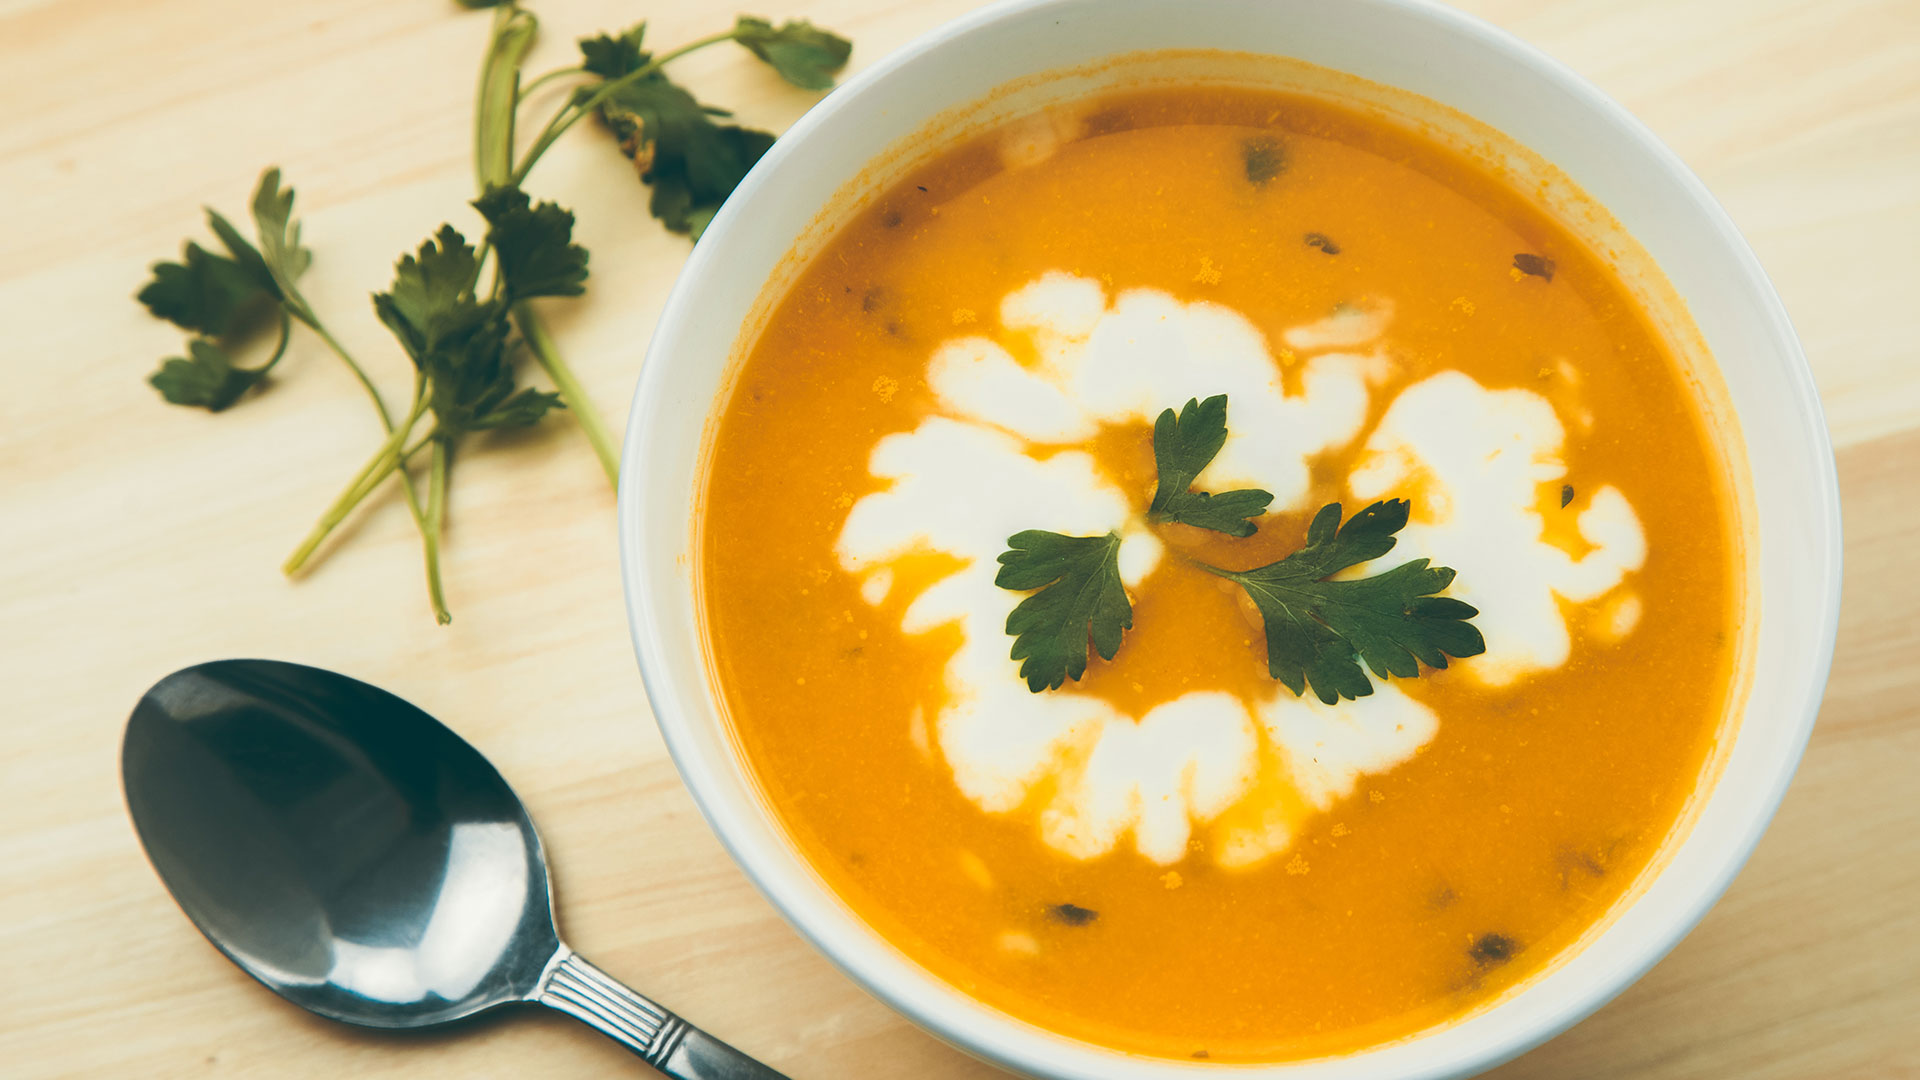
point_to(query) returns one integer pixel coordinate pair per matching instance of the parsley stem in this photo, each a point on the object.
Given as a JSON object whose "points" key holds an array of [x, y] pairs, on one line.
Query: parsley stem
{"points": [[383, 462], [571, 391], [360, 373], [558, 73], [407, 454], [436, 517], [493, 166], [279, 350], [379, 404], [571, 113], [499, 93]]}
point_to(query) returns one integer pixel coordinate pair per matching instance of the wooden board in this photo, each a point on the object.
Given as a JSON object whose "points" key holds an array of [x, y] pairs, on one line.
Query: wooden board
{"points": [[135, 538]]}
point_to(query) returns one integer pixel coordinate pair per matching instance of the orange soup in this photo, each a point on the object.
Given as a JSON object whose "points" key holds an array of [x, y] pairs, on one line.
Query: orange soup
{"points": [[1175, 854]]}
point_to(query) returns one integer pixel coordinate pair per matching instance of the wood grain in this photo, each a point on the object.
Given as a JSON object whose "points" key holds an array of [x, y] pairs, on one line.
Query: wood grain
{"points": [[136, 538]]}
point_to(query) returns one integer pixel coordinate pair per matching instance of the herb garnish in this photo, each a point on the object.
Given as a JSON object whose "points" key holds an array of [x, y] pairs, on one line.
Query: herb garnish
{"points": [[1072, 914], [1535, 265], [1264, 157], [1080, 597], [222, 296], [803, 54], [462, 328], [692, 162], [1319, 630], [1489, 950], [1183, 446]]}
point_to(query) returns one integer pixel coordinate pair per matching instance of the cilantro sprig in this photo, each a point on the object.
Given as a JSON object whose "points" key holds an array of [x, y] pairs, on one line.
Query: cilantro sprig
{"points": [[461, 313], [1079, 597], [1319, 628]]}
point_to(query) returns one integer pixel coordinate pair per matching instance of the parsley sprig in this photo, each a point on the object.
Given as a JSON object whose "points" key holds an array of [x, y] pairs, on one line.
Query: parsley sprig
{"points": [[1319, 628], [463, 313], [674, 141], [1080, 597], [1184, 445]]}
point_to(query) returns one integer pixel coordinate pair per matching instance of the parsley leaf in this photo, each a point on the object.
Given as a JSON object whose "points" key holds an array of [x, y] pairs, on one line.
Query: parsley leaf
{"points": [[204, 292], [279, 260], [533, 243], [220, 296], [609, 56], [1319, 630], [803, 54], [693, 162], [205, 377], [1080, 596], [1183, 446], [524, 408], [459, 344], [432, 296]]}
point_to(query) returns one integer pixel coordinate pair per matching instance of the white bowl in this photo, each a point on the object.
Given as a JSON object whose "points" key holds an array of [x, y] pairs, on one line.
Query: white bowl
{"points": [[1792, 509]]}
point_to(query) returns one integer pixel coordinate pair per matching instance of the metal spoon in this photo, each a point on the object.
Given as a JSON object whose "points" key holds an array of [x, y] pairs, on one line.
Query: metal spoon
{"points": [[364, 862]]}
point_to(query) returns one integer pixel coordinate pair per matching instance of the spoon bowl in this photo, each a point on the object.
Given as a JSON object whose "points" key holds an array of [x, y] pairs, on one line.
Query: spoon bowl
{"points": [[364, 862]]}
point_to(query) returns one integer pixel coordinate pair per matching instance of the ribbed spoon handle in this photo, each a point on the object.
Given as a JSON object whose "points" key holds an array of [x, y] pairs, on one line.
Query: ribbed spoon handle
{"points": [[663, 1040]]}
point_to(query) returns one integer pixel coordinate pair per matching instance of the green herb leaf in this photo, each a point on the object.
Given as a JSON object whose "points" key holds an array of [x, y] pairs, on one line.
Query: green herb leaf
{"points": [[207, 377], [1080, 597], [219, 296], [476, 5], [280, 253], [611, 57], [1535, 265], [523, 409], [803, 54], [1318, 630], [459, 344], [432, 296], [1264, 156], [533, 244], [245, 255], [1183, 446], [468, 374], [692, 162], [204, 292]]}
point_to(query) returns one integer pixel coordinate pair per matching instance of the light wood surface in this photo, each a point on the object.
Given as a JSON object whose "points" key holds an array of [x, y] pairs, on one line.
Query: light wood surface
{"points": [[136, 538]]}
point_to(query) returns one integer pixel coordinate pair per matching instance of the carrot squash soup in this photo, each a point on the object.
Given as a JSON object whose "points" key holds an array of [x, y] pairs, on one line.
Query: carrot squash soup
{"points": [[1219, 575]]}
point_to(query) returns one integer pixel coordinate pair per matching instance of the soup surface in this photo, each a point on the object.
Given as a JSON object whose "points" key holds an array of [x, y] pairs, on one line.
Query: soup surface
{"points": [[1176, 855]]}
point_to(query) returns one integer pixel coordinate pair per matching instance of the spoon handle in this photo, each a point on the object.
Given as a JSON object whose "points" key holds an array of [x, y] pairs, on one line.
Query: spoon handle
{"points": [[663, 1040]]}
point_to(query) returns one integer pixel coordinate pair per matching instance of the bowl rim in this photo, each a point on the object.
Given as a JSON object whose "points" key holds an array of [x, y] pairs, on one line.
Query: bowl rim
{"points": [[1007, 1041]]}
